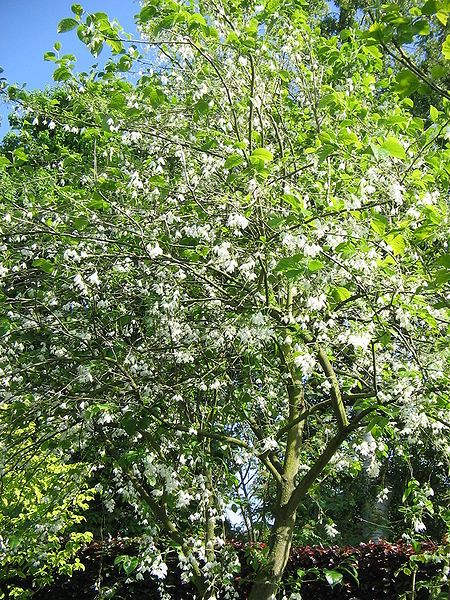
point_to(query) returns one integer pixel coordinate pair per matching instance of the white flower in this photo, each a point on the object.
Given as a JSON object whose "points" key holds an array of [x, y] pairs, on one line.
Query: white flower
{"points": [[159, 568], [79, 283], [269, 444], [316, 302], [71, 254], [258, 319], [361, 340], [311, 250], [383, 495], [60, 352], [183, 499], [331, 530], [396, 192], [237, 221], [52, 125], [105, 418], [306, 362], [84, 375], [154, 250], [368, 446], [93, 278], [373, 469], [418, 525]]}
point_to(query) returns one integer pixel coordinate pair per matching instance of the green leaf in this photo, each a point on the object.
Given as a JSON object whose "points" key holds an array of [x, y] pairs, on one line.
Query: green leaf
{"points": [[20, 154], [424, 232], [117, 46], [348, 138], [442, 16], [169, 21], [333, 577], [444, 260], [117, 100], [100, 16], [429, 8], [446, 47], [407, 82], [201, 107], [196, 20], [44, 265], [379, 224], [291, 262], [4, 162], [325, 151], [62, 74], [128, 563], [50, 56], [421, 27], [147, 13], [285, 76], [233, 161], [315, 265], [5, 325], [442, 277], [346, 249], [80, 223], [434, 113], [397, 243], [437, 72], [394, 147], [67, 25], [98, 203], [262, 154], [129, 423], [340, 294], [124, 64], [77, 9], [158, 181]]}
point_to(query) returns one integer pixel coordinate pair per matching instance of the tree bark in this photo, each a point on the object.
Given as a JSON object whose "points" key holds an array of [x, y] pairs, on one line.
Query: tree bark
{"points": [[268, 582]]}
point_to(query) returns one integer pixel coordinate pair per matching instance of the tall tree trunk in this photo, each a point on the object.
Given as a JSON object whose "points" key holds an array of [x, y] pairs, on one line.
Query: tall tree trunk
{"points": [[269, 578], [290, 491], [268, 581]]}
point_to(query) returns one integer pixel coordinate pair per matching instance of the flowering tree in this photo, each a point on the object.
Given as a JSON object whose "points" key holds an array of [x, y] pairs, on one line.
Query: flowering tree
{"points": [[236, 259]]}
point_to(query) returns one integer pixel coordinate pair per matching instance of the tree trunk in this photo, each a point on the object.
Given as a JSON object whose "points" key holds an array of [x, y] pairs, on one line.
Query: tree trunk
{"points": [[269, 578]]}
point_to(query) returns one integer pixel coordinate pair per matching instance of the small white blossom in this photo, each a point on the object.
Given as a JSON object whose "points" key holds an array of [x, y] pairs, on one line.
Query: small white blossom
{"points": [[418, 525], [316, 302], [331, 530], [79, 283], [237, 221], [360, 340], [154, 250], [94, 279], [258, 319]]}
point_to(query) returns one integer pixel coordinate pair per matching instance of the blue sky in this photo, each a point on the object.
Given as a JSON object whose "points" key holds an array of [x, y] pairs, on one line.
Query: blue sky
{"points": [[28, 29]]}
